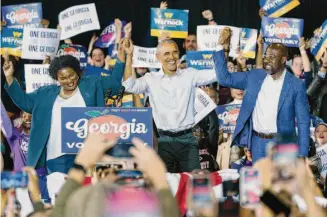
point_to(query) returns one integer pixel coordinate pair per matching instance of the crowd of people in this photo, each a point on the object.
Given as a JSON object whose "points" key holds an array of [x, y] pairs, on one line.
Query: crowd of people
{"points": [[283, 98]]}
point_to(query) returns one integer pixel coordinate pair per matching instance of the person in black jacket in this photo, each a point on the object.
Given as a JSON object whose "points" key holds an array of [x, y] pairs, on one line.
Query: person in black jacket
{"points": [[317, 91]]}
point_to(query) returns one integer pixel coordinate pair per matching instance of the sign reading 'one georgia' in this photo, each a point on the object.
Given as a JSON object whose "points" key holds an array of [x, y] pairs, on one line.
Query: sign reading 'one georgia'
{"points": [[319, 42], [227, 117], [286, 31], [78, 51], [199, 59], [121, 123], [277, 8], [24, 15], [11, 41], [169, 20]]}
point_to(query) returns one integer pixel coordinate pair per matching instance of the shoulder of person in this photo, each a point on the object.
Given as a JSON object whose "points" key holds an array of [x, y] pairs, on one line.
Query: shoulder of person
{"points": [[47, 88]]}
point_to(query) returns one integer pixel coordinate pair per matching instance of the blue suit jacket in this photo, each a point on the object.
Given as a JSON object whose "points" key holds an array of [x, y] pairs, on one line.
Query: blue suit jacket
{"points": [[293, 103], [40, 102]]}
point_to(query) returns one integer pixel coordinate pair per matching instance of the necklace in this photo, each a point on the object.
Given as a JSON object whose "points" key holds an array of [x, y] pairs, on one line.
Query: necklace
{"points": [[65, 96]]}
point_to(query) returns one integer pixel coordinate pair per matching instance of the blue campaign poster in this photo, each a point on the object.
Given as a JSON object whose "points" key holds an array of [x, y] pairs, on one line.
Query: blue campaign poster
{"points": [[78, 51], [227, 116], [23, 15], [169, 20], [121, 123], [96, 71], [286, 31], [248, 42], [11, 41], [277, 8], [199, 59], [319, 42]]}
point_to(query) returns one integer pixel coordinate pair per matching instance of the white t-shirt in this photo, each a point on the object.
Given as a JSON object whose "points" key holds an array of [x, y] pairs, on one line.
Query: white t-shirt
{"points": [[54, 142]]}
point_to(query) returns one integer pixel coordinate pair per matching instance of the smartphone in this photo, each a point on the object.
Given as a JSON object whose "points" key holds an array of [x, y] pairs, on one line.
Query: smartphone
{"points": [[14, 180], [131, 182], [229, 208], [284, 161], [250, 187], [108, 165], [120, 151], [129, 174], [271, 201], [230, 188]]}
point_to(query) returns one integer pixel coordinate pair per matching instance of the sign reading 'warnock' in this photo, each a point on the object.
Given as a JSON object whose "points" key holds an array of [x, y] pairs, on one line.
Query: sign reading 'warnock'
{"points": [[277, 8], [121, 123]]}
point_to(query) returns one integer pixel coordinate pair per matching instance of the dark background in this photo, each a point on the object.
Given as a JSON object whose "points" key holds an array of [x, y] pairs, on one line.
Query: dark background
{"points": [[239, 13]]}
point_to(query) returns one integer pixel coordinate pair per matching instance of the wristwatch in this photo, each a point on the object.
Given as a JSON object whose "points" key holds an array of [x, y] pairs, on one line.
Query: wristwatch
{"points": [[79, 167]]}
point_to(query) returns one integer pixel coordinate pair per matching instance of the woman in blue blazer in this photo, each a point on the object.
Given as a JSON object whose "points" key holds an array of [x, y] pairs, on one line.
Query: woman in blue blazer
{"points": [[75, 90]]}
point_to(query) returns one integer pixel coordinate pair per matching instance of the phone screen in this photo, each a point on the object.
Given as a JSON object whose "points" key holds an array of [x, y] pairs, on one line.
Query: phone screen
{"points": [[201, 190], [14, 180], [250, 187], [129, 173]]}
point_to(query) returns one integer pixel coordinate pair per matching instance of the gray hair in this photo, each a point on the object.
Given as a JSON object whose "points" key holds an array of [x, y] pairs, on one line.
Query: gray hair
{"points": [[165, 41]]}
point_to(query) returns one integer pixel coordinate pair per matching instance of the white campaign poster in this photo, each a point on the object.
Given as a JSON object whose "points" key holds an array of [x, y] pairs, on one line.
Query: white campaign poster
{"points": [[203, 105], [36, 76], [39, 42], [78, 19], [322, 154], [145, 57], [208, 36]]}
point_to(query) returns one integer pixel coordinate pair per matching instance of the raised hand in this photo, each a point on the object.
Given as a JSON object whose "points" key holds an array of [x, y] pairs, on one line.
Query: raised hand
{"points": [[8, 69], [225, 36], [260, 40], [128, 46], [45, 23], [118, 24], [128, 30], [163, 5], [164, 35], [302, 44], [207, 14], [262, 13], [93, 39], [33, 184]]}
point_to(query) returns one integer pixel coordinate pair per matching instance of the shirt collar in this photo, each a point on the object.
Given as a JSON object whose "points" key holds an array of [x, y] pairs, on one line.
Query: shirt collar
{"points": [[281, 77], [161, 73]]}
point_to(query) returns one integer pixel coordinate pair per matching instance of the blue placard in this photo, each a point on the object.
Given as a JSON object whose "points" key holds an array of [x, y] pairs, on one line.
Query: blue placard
{"points": [[169, 20], [78, 51], [199, 59], [227, 116], [13, 180], [286, 31], [319, 42], [20, 16], [124, 123], [11, 41], [248, 42], [96, 71], [276, 8]]}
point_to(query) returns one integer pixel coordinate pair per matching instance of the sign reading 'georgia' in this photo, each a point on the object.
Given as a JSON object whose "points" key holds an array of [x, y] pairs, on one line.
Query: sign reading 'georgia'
{"points": [[77, 51], [319, 41], [11, 41], [277, 8], [121, 123], [169, 20], [199, 59], [24, 15], [227, 117], [286, 31]]}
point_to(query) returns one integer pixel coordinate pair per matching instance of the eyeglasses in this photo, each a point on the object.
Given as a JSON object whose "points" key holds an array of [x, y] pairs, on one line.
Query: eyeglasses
{"points": [[265, 56]]}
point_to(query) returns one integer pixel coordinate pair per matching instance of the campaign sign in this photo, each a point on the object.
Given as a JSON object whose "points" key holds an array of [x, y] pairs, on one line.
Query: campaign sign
{"points": [[286, 31], [319, 42], [277, 8], [96, 71], [203, 105], [11, 41], [39, 43], [24, 15], [108, 35], [145, 57], [227, 116], [115, 123], [322, 154], [248, 42], [78, 19], [208, 36], [36, 76], [78, 51], [169, 20], [199, 59]]}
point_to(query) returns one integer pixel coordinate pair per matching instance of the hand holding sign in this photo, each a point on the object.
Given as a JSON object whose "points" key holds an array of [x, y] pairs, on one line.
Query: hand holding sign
{"points": [[163, 5], [225, 37], [207, 14], [8, 69], [128, 46], [128, 30], [164, 35], [118, 24]]}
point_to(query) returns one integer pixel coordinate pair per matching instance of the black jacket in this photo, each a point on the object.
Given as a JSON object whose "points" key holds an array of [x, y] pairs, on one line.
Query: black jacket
{"points": [[317, 93]]}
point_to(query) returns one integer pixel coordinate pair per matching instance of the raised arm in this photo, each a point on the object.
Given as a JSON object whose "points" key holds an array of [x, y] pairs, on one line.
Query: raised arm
{"points": [[237, 80], [92, 41], [24, 101], [259, 57], [304, 56], [207, 14]]}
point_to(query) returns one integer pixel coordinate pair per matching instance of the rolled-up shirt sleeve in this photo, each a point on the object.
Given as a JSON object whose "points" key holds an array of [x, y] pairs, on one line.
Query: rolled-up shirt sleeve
{"points": [[203, 77], [138, 85]]}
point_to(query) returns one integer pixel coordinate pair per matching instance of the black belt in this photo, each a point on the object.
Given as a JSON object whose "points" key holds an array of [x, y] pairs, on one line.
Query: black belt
{"points": [[175, 134], [265, 136]]}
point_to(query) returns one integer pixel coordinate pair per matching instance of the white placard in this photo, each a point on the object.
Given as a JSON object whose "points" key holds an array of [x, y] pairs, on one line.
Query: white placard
{"points": [[322, 154], [36, 76], [145, 57], [78, 19], [208, 36], [203, 105], [39, 42]]}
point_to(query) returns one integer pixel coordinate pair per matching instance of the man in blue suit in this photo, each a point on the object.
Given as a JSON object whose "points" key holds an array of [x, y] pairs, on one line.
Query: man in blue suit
{"points": [[275, 102]]}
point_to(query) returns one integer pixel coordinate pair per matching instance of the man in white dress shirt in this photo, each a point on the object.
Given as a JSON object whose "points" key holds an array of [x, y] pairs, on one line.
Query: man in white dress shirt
{"points": [[172, 93]]}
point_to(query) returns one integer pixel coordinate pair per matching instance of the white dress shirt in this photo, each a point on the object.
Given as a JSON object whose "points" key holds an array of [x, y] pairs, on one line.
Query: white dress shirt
{"points": [[54, 142], [264, 115], [171, 97]]}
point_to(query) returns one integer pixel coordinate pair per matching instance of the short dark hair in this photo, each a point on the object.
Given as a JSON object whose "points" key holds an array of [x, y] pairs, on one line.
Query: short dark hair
{"points": [[66, 61], [278, 46], [99, 48]]}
